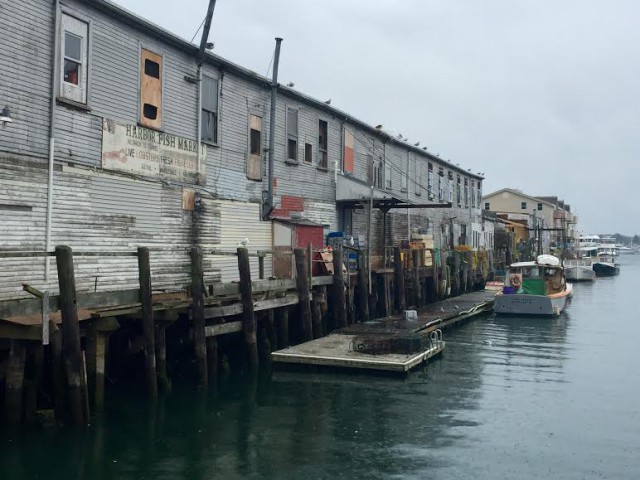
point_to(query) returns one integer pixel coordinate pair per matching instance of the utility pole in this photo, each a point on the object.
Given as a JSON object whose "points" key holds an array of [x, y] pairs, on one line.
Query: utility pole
{"points": [[267, 204]]}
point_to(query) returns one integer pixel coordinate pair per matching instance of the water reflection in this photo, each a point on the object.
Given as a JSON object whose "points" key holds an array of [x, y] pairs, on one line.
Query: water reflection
{"points": [[510, 398]]}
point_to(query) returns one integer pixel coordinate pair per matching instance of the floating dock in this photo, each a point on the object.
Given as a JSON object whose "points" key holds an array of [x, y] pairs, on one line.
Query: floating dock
{"points": [[362, 346]]}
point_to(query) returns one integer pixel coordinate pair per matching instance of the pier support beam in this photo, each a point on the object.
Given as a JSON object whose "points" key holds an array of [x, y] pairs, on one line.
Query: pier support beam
{"points": [[70, 334], [282, 325], [13, 390], [316, 313], [339, 300], [197, 308], [302, 283], [248, 317], [362, 289], [398, 280], [144, 275], [417, 289]]}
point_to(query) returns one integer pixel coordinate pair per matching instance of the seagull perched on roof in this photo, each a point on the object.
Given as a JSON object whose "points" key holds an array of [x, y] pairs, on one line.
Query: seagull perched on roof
{"points": [[244, 242], [328, 102], [417, 144], [379, 127]]}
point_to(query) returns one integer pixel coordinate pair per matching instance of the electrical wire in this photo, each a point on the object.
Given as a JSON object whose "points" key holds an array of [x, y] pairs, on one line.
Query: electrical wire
{"points": [[201, 24]]}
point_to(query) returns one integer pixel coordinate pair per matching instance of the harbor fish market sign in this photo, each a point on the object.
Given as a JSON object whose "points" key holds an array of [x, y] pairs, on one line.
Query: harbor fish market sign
{"points": [[138, 150]]}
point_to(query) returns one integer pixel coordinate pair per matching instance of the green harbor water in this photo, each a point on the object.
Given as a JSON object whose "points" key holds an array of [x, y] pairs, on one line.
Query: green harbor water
{"points": [[510, 398]]}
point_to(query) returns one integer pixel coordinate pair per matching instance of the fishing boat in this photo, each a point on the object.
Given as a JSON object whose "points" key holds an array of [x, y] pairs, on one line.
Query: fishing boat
{"points": [[534, 288], [579, 270], [605, 266]]}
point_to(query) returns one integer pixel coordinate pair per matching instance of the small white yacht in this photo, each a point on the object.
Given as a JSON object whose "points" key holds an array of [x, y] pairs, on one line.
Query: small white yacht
{"points": [[579, 270]]}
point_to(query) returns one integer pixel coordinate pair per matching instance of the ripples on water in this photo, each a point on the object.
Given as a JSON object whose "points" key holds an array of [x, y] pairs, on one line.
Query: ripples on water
{"points": [[510, 398]]}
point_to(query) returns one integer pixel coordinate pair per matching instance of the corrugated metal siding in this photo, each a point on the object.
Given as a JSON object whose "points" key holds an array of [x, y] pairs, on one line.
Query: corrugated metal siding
{"points": [[240, 220], [324, 213]]}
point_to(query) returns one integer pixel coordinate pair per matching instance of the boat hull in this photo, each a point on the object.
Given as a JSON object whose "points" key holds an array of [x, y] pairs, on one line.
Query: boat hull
{"points": [[523, 304], [605, 269], [579, 274]]}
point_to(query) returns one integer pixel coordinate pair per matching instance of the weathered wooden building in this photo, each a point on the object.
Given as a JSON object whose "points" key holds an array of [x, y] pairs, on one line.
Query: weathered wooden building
{"points": [[103, 154]]}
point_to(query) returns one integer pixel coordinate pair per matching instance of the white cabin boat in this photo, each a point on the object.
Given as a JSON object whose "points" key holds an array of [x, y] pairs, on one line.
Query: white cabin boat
{"points": [[579, 270], [534, 288]]}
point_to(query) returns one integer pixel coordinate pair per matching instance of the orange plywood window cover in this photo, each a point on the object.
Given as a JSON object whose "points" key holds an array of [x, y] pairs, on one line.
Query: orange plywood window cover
{"points": [[150, 89], [349, 151]]}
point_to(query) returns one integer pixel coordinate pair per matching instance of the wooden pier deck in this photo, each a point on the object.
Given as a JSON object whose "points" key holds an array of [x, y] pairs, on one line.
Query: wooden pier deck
{"points": [[340, 349]]}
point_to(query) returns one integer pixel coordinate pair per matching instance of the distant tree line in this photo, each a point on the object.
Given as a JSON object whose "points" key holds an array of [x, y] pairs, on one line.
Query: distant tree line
{"points": [[627, 240]]}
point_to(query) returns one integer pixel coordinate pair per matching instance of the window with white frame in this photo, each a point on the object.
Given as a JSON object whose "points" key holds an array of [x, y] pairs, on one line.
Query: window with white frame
{"points": [[209, 123], [323, 143], [466, 193], [292, 134], [450, 187], [459, 191], [473, 190], [479, 194], [430, 187], [416, 176], [387, 175], [74, 56], [440, 184]]}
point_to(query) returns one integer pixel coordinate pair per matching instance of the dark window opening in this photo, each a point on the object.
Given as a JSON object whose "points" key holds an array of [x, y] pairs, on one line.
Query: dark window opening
{"points": [[151, 68], [486, 206], [292, 149], [209, 130], [254, 141], [539, 206], [150, 111], [308, 153], [523, 205]]}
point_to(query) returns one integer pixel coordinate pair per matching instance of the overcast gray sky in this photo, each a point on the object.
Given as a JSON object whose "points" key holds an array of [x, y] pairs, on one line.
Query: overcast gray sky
{"points": [[540, 95]]}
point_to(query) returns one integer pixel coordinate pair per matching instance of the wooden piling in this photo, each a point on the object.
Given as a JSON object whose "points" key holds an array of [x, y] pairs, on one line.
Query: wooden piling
{"points": [[362, 289], [282, 324], [249, 324], [164, 384], [32, 377], [316, 314], [144, 275], [212, 358], [339, 301], [70, 333], [417, 290], [302, 283], [197, 308], [398, 280], [14, 382], [271, 329], [60, 403]]}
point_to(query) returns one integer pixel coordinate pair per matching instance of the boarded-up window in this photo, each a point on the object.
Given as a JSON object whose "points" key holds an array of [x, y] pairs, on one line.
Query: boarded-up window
{"points": [[473, 191], [75, 58], [254, 160], [466, 193], [323, 143], [151, 89], [459, 192], [349, 153], [209, 123], [292, 134]]}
